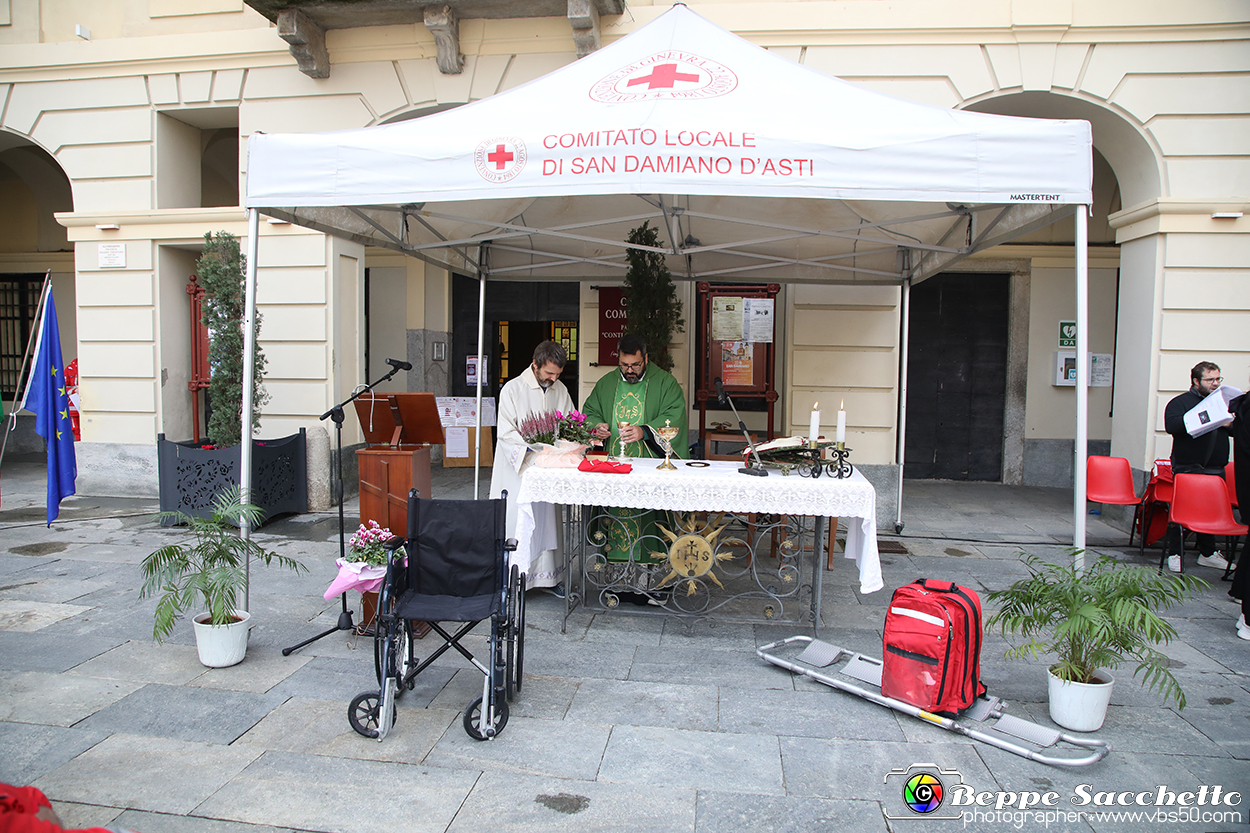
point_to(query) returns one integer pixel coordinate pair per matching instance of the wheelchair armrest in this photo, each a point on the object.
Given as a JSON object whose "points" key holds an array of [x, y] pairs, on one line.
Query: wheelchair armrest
{"points": [[393, 543], [510, 545]]}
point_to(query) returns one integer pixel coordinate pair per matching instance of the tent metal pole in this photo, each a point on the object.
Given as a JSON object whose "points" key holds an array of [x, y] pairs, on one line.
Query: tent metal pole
{"points": [[483, 259], [899, 453], [1082, 386], [249, 375]]}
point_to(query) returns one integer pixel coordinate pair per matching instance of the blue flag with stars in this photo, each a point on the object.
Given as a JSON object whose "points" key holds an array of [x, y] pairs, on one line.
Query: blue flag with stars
{"points": [[48, 399]]}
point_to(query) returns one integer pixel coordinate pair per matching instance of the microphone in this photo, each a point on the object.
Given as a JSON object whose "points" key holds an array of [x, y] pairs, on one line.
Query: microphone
{"points": [[398, 365], [720, 391]]}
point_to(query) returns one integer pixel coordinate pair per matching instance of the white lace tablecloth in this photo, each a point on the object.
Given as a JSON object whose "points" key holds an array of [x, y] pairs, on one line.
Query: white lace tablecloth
{"points": [[720, 488]]}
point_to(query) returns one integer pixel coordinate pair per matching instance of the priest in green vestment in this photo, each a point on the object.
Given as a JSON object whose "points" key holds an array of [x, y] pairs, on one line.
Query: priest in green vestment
{"points": [[630, 404]]}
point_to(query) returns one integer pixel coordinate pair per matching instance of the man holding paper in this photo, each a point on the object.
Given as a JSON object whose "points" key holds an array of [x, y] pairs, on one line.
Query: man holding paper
{"points": [[536, 390], [1200, 451]]}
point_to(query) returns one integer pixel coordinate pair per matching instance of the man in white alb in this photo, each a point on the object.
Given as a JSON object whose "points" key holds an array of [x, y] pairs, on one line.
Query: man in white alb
{"points": [[535, 390]]}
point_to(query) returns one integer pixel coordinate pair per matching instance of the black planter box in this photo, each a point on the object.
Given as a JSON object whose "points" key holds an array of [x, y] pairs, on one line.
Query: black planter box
{"points": [[191, 476]]}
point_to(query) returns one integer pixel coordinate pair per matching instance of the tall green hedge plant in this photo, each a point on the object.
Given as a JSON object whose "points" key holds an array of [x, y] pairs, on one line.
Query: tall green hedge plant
{"points": [[652, 309], [221, 270]]}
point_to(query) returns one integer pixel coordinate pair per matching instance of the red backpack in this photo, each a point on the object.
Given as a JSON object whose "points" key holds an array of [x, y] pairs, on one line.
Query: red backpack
{"points": [[933, 646]]}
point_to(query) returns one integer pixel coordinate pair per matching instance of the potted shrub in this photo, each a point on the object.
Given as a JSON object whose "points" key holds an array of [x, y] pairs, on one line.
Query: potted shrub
{"points": [[192, 473], [210, 570], [1093, 621], [652, 308]]}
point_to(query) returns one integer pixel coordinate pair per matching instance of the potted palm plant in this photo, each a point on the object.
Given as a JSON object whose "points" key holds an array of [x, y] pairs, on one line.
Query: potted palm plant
{"points": [[1093, 621], [210, 569]]}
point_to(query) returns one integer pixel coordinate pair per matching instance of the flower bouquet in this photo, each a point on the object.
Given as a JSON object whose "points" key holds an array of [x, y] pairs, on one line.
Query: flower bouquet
{"points": [[366, 544], [559, 438]]}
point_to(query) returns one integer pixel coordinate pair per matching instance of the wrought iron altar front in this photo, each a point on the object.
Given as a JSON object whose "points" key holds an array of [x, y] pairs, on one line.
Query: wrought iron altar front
{"points": [[704, 541]]}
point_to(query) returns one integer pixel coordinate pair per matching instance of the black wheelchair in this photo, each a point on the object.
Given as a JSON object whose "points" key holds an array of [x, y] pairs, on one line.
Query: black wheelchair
{"points": [[452, 568]]}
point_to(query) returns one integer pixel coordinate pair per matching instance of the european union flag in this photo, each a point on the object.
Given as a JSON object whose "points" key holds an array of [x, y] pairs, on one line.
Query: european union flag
{"points": [[47, 398]]}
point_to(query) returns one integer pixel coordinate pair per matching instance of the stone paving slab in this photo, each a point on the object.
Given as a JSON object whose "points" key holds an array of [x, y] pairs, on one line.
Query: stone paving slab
{"points": [[831, 768], [717, 667], [31, 750], [827, 713], [138, 772], [320, 727], [184, 713], [57, 699], [42, 651], [510, 803], [646, 704], [166, 823], [697, 760], [145, 662], [340, 795], [27, 616], [563, 749], [725, 811]]}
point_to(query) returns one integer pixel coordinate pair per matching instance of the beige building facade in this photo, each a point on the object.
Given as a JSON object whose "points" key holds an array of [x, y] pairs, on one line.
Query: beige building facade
{"points": [[126, 122]]}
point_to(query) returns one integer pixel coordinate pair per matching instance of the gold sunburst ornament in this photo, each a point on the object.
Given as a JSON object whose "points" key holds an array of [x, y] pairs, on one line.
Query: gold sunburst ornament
{"points": [[692, 553]]}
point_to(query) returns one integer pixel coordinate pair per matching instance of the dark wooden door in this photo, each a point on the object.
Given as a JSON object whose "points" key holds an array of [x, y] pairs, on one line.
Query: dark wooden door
{"points": [[957, 378]]}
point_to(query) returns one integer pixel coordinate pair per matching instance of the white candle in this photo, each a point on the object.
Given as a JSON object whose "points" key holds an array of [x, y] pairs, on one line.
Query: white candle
{"points": [[813, 430], [841, 435]]}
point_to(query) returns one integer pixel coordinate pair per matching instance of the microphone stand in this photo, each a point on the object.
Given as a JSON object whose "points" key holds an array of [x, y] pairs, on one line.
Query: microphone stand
{"points": [[336, 414], [759, 470]]}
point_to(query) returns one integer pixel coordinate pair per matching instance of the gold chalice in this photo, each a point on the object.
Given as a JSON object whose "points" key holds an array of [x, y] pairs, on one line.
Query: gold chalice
{"points": [[667, 432]]}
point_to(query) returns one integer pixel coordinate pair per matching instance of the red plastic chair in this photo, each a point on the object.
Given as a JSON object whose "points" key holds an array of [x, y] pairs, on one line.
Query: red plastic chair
{"points": [[1158, 491], [1200, 504], [1230, 480], [1110, 480]]}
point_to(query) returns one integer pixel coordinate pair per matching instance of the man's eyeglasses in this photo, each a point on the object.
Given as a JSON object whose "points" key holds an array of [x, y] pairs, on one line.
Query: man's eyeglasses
{"points": [[632, 365], [1214, 379]]}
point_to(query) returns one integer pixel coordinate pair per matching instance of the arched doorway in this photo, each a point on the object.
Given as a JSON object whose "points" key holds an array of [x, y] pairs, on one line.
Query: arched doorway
{"points": [[32, 189]]}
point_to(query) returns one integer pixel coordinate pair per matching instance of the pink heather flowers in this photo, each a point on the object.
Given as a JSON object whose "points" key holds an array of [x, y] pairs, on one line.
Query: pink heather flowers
{"points": [[366, 544], [549, 426]]}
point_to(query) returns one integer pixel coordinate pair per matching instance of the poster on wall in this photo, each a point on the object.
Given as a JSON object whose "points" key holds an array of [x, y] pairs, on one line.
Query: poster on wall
{"points": [[726, 318], [471, 366], [611, 323], [757, 319], [736, 363]]}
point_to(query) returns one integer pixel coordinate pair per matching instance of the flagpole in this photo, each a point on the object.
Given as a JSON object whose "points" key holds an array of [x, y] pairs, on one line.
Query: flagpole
{"points": [[249, 374], [18, 388]]}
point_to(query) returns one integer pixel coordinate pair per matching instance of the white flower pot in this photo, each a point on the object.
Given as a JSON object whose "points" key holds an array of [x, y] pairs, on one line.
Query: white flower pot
{"points": [[1081, 707], [221, 645]]}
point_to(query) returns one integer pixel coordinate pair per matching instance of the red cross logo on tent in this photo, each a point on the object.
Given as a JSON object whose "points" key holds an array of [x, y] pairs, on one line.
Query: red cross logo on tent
{"points": [[672, 75], [663, 76], [499, 159]]}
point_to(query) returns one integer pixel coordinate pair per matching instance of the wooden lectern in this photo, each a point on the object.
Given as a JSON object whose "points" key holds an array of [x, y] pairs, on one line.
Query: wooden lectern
{"points": [[399, 429]]}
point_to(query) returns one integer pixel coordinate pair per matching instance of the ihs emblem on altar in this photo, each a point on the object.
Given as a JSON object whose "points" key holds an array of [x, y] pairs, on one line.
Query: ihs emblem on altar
{"points": [[692, 554]]}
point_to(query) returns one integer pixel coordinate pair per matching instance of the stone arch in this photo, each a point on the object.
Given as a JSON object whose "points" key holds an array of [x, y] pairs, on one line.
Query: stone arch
{"points": [[33, 188], [1125, 144]]}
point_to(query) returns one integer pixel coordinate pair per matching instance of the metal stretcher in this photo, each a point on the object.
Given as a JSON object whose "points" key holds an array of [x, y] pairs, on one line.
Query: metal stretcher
{"points": [[983, 721]]}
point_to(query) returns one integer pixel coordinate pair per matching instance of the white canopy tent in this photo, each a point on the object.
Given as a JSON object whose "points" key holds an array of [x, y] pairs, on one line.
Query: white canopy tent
{"points": [[758, 169]]}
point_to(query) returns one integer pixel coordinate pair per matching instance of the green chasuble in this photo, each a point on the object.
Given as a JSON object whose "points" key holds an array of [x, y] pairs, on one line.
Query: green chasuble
{"points": [[649, 401]]}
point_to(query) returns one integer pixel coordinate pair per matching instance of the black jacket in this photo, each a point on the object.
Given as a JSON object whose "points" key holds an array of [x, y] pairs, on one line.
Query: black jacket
{"points": [[1207, 454]]}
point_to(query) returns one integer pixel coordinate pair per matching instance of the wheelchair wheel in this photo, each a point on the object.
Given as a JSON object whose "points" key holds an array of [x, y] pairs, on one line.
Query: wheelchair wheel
{"points": [[520, 632], [363, 713], [399, 660], [474, 713], [516, 597]]}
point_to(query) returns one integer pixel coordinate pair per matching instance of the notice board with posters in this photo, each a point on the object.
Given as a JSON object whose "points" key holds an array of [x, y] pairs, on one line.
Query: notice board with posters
{"points": [[735, 334]]}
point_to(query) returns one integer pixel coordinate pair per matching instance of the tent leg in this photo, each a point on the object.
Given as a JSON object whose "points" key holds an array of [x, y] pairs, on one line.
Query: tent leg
{"points": [[481, 366], [900, 452], [1082, 386], [249, 374]]}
